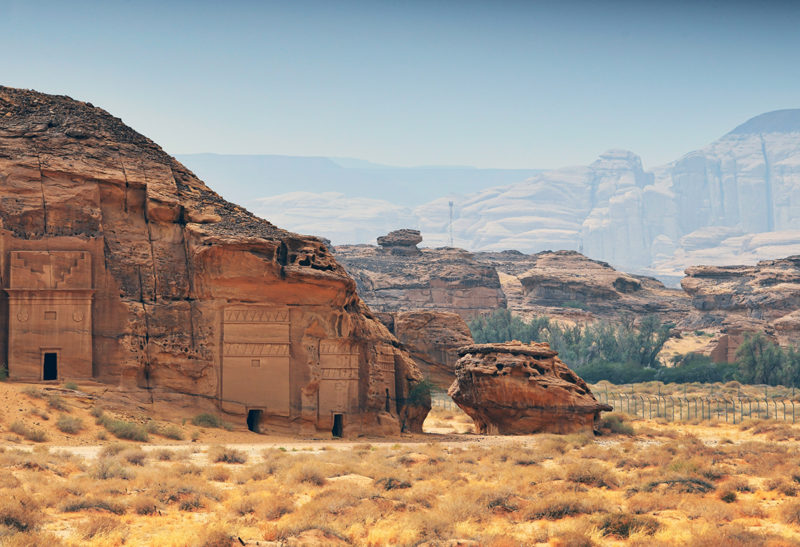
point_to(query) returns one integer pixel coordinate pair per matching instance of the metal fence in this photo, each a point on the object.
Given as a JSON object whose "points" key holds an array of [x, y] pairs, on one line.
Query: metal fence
{"points": [[677, 408], [681, 408]]}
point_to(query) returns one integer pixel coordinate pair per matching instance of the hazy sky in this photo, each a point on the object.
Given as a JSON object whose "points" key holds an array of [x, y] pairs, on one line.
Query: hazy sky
{"points": [[490, 84]]}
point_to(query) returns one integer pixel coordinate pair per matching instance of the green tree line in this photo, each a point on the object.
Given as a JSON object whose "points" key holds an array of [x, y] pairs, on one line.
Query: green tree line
{"points": [[621, 352]]}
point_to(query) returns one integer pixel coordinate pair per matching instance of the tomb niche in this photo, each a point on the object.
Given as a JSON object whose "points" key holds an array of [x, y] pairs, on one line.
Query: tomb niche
{"points": [[338, 387], [50, 315], [255, 362]]}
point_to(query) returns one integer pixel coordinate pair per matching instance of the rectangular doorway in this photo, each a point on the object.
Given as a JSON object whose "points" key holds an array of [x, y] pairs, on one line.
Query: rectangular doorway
{"points": [[50, 366], [338, 425]]}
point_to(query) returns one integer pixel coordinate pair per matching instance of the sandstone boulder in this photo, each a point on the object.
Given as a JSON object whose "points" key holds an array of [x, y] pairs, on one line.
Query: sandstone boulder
{"points": [[120, 265], [515, 388], [401, 238]]}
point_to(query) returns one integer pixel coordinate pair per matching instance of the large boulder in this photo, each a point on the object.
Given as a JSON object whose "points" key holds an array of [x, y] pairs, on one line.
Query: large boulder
{"points": [[119, 264], [514, 389]]}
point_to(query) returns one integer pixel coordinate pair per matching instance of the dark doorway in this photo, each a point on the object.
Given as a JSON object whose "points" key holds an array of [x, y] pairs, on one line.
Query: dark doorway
{"points": [[254, 420], [388, 401], [338, 425], [50, 367]]}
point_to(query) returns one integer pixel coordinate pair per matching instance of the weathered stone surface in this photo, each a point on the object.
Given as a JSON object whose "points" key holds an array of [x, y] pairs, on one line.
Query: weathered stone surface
{"points": [[400, 238], [568, 284], [516, 388], [741, 299], [436, 279], [433, 338], [189, 293]]}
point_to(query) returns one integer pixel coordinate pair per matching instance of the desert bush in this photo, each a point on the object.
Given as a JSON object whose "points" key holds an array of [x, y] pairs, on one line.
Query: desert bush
{"points": [[29, 433], [134, 456], [391, 483], [622, 525], [56, 402], [19, 511], [210, 420], [77, 504], [144, 505], [791, 512], [41, 413], [31, 391], [98, 525], [615, 423], [69, 424], [557, 505], [224, 454], [591, 473], [107, 468], [217, 473], [112, 449], [124, 430], [164, 454], [728, 496], [71, 385], [308, 473], [172, 432]]}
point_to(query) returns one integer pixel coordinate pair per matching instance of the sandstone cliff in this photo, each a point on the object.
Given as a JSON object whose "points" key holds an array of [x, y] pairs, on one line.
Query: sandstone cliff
{"points": [[189, 293], [444, 279], [740, 299]]}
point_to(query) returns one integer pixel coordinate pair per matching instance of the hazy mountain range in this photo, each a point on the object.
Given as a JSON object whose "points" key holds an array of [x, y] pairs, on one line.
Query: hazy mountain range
{"points": [[735, 201]]}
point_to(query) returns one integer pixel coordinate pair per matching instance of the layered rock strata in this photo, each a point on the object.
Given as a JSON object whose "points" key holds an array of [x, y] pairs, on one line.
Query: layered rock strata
{"points": [[446, 279], [515, 389], [106, 239], [741, 299]]}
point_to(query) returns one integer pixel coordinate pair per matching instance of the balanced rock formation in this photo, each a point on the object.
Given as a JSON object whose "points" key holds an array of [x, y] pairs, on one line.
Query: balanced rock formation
{"points": [[120, 265], [445, 279], [515, 388], [401, 241]]}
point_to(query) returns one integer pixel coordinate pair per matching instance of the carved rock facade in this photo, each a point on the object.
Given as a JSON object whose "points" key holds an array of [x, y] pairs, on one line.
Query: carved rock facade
{"points": [[515, 389], [119, 264]]}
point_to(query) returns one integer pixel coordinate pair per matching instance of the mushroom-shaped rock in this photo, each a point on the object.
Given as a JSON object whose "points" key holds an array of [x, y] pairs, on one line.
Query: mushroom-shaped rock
{"points": [[515, 389], [401, 241]]}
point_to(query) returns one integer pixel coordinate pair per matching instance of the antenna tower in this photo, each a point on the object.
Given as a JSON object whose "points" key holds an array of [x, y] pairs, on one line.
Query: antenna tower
{"points": [[451, 223]]}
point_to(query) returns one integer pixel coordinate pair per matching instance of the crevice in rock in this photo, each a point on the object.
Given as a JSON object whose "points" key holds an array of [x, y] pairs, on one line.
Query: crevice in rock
{"points": [[41, 185]]}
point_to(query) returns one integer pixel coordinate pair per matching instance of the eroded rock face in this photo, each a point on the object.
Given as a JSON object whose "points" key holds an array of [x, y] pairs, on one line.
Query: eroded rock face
{"points": [[741, 299], [189, 293], [445, 279], [433, 338], [568, 284], [515, 389]]}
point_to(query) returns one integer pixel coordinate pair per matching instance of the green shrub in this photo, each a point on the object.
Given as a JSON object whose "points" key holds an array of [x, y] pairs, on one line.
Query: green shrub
{"points": [[31, 391], [124, 430], [56, 402], [172, 432], [71, 385], [210, 420], [68, 424], [29, 433]]}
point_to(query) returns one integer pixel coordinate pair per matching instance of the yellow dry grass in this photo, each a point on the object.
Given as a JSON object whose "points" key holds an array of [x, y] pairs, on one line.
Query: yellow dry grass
{"points": [[667, 484]]}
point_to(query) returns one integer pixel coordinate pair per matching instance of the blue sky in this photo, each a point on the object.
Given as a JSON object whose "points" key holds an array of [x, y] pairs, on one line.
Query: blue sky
{"points": [[490, 84]]}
